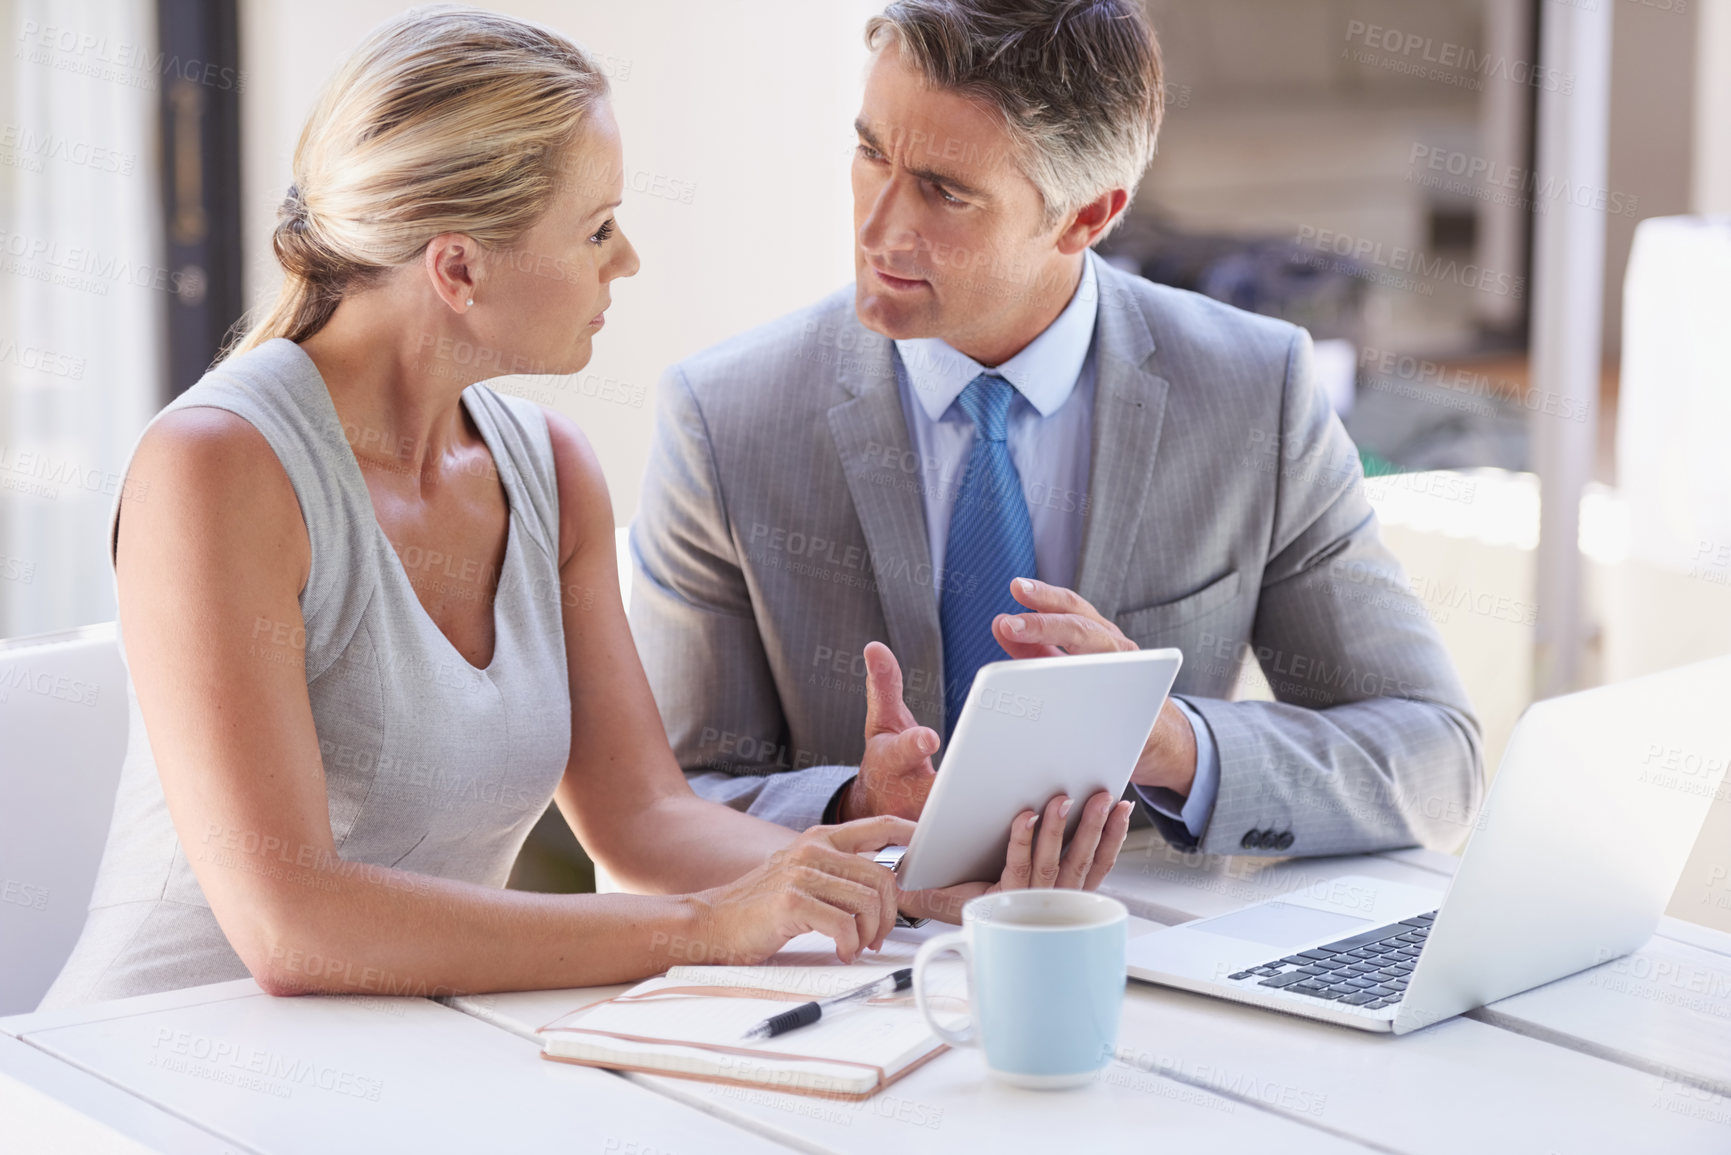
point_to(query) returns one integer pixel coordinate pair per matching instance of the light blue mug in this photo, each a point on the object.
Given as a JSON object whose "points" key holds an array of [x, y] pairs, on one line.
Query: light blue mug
{"points": [[1045, 983]]}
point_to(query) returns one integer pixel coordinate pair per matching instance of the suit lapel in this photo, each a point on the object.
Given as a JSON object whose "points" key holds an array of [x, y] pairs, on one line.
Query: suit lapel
{"points": [[1129, 406], [871, 436]]}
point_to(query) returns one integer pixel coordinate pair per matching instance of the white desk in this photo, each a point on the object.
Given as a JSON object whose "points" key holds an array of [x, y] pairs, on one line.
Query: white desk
{"points": [[1626, 1057], [272, 1076], [950, 1104]]}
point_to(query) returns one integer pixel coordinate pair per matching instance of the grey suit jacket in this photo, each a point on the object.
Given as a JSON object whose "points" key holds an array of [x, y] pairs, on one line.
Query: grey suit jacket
{"points": [[782, 528]]}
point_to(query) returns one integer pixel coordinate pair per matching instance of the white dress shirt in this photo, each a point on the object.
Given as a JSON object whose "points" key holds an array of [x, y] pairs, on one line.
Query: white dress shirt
{"points": [[1050, 438], [1050, 432]]}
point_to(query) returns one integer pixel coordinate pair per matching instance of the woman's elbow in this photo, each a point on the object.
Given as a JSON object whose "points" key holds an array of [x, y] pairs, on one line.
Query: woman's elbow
{"points": [[283, 971], [281, 949], [276, 984]]}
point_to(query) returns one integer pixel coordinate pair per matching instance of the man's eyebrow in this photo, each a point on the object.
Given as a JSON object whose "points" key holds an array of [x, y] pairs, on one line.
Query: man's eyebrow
{"points": [[932, 175], [949, 182]]}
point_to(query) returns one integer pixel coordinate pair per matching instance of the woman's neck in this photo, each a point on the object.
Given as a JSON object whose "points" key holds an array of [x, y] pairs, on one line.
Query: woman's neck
{"points": [[399, 399]]}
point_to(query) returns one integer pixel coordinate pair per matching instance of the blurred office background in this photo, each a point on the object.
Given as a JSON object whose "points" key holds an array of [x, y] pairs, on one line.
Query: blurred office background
{"points": [[1363, 167]]}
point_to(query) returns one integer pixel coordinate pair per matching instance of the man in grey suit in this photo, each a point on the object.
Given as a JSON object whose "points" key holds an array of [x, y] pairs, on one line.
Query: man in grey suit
{"points": [[990, 403]]}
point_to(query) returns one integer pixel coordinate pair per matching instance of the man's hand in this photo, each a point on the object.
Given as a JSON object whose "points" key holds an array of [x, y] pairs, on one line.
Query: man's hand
{"points": [[1034, 860], [1062, 622], [895, 775]]}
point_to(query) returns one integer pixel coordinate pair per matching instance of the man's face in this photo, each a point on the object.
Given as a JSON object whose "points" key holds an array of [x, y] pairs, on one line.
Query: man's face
{"points": [[949, 234]]}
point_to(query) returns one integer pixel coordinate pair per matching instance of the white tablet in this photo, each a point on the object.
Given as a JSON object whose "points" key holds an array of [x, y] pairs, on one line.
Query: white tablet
{"points": [[1031, 729]]}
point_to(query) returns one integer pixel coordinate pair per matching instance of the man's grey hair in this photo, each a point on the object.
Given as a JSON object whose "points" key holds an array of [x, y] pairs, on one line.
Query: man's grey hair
{"points": [[1077, 83]]}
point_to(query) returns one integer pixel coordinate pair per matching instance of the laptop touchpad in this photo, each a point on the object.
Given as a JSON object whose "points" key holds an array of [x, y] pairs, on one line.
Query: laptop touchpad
{"points": [[1281, 924]]}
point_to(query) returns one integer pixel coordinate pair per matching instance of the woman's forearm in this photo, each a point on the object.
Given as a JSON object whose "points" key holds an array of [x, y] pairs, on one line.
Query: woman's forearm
{"points": [[678, 843], [350, 927]]}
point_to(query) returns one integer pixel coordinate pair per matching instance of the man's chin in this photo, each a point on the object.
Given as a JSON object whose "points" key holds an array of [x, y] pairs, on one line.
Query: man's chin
{"points": [[893, 319]]}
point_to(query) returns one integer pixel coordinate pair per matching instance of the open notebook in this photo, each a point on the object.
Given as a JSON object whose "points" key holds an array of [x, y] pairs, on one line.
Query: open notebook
{"points": [[691, 1023]]}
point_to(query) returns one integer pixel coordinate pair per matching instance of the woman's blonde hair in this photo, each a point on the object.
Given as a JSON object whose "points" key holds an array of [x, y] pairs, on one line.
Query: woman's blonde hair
{"points": [[446, 120]]}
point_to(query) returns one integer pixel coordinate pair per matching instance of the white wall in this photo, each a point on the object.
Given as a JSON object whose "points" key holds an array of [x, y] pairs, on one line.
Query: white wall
{"points": [[750, 101], [1712, 176], [1653, 90], [83, 294]]}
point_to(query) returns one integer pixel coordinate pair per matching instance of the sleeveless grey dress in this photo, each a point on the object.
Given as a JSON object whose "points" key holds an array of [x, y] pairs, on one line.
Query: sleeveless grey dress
{"points": [[431, 765]]}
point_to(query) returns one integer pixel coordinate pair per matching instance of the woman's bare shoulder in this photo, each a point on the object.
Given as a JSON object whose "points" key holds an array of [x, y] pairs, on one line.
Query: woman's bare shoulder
{"points": [[203, 437], [208, 480], [585, 506]]}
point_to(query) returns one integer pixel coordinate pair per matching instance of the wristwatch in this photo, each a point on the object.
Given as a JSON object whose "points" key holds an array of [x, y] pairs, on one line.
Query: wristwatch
{"points": [[891, 856]]}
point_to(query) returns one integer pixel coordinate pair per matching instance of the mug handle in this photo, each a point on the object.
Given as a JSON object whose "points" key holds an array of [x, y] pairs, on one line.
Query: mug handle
{"points": [[957, 942]]}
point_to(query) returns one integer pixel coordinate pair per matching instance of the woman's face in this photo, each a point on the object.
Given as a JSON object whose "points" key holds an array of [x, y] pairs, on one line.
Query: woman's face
{"points": [[541, 301]]}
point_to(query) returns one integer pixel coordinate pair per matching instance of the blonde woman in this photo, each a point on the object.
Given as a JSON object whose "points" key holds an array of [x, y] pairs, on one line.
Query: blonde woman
{"points": [[371, 609]]}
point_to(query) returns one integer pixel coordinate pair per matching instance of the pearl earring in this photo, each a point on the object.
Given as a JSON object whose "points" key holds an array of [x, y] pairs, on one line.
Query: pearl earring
{"points": [[471, 302]]}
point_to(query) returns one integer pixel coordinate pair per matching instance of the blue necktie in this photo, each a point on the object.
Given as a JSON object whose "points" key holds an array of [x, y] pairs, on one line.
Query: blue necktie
{"points": [[991, 541]]}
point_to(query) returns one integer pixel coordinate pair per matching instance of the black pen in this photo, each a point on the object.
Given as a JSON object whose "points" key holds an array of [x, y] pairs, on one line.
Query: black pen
{"points": [[807, 1013]]}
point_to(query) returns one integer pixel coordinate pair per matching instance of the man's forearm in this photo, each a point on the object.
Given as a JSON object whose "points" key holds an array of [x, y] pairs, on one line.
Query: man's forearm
{"points": [[795, 799], [1361, 776]]}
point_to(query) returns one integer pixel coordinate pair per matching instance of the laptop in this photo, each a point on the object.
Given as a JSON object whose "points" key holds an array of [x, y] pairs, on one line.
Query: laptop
{"points": [[1570, 863]]}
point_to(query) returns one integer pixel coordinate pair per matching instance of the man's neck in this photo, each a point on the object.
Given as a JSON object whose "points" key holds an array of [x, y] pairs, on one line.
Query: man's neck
{"points": [[1053, 290]]}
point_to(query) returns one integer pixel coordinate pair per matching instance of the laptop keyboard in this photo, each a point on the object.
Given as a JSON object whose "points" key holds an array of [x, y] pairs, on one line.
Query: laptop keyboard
{"points": [[1368, 970]]}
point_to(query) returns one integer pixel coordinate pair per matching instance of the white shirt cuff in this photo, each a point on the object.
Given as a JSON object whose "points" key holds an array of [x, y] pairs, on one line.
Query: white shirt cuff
{"points": [[1195, 809]]}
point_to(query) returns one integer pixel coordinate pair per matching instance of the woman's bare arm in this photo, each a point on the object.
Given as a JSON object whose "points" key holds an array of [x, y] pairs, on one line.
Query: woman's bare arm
{"points": [[211, 562], [624, 794]]}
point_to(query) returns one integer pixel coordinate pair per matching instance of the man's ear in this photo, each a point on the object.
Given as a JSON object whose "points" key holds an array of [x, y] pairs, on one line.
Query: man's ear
{"points": [[1088, 222], [450, 260]]}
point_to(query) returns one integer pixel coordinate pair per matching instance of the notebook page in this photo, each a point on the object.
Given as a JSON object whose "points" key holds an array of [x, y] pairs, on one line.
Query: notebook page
{"points": [[815, 949], [818, 982], [889, 1037], [887, 1033]]}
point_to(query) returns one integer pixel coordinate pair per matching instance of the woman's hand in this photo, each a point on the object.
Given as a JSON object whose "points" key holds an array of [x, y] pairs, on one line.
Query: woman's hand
{"points": [[1039, 859], [818, 882]]}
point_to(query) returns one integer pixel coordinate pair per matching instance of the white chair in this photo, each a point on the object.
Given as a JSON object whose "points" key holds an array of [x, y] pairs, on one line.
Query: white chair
{"points": [[63, 723]]}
